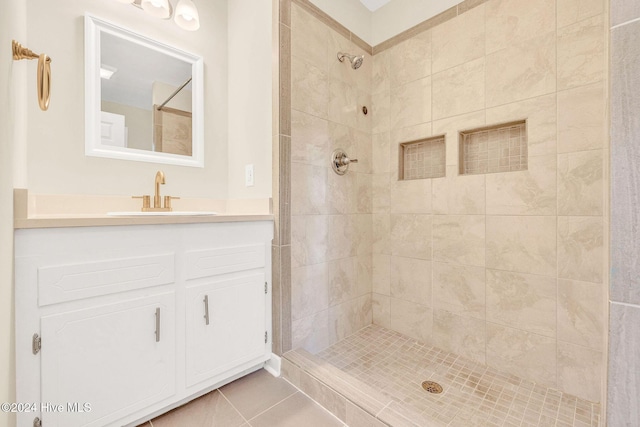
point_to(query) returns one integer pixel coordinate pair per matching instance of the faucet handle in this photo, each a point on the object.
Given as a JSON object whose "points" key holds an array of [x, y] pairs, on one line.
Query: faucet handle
{"points": [[146, 201], [167, 201]]}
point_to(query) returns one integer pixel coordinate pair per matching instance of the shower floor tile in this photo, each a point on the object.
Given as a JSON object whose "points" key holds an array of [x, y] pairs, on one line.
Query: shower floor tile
{"points": [[474, 395]]}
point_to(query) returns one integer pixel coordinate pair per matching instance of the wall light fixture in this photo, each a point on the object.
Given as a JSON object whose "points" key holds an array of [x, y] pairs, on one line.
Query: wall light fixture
{"points": [[185, 16]]}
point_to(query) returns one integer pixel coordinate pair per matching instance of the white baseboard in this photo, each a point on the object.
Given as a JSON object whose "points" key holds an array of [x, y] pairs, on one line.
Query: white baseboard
{"points": [[273, 365]]}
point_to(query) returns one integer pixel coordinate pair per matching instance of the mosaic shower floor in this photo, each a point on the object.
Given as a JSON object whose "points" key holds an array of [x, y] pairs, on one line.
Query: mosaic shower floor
{"points": [[474, 395]]}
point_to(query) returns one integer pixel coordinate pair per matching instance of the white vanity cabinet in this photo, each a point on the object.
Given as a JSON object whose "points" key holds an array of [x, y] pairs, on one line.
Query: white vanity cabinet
{"points": [[120, 323]]}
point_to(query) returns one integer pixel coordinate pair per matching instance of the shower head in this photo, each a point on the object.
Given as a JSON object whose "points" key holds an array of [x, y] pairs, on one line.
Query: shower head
{"points": [[356, 61]]}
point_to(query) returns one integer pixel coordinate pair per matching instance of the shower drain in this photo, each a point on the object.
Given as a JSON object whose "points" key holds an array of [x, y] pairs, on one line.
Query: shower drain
{"points": [[432, 387]]}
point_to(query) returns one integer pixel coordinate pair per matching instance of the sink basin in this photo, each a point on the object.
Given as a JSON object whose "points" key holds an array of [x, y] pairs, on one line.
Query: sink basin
{"points": [[172, 213]]}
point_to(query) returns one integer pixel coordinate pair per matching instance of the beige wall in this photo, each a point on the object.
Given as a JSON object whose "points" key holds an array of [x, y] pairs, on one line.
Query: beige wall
{"points": [[505, 268], [250, 97], [330, 214], [56, 138], [11, 20]]}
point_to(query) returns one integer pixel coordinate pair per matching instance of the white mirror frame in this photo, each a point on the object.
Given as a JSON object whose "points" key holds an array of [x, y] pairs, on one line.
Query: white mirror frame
{"points": [[93, 143]]}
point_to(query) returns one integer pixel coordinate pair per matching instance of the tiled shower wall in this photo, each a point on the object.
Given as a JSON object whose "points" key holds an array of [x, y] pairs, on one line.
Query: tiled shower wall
{"points": [[504, 268], [331, 231]]}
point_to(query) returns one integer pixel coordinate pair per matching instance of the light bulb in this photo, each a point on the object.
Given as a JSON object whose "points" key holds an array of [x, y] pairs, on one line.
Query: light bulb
{"points": [[157, 8], [187, 15]]}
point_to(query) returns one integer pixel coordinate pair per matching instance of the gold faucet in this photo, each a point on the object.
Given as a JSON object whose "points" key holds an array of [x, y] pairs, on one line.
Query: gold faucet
{"points": [[157, 200]]}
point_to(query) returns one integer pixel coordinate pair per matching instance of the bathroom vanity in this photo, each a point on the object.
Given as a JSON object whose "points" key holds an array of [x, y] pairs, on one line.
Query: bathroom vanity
{"points": [[118, 323]]}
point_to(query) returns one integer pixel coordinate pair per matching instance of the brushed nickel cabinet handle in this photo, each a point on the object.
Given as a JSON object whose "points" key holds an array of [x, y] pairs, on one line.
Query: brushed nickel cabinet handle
{"points": [[206, 309], [158, 324]]}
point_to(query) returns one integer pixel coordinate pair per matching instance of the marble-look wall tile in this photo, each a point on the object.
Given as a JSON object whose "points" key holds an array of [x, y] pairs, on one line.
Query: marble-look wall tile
{"points": [[459, 194], [363, 152], [523, 301], [381, 310], [572, 11], [459, 239], [521, 71], [516, 21], [540, 114], [580, 371], [363, 193], [581, 248], [308, 189], [581, 313], [461, 335], [381, 274], [581, 48], [410, 104], [381, 224], [413, 320], [451, 127], [530, 192], [459, 289], [309, 38], [452, 47], [309, 89], [309, 290], [349, 317], [381, 193], [410, 60], [411, 196], [522, 353], [623, 392], [382, 162], [381, 73], [364, 282], [411, 280], [581, 183], [381, 112], [311, 332], [363, 238], [341, 136], [459, 90], [581, 118], [341, 192], [525, 244], [343, 276], [411, 236], [625, 132], [343, 101], [341, 239], [309, 238], [309, 139]]}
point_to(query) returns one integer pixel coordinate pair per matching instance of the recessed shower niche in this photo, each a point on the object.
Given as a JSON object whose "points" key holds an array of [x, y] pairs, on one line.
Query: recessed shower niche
{"points": [[422, 159], [497, 148]]}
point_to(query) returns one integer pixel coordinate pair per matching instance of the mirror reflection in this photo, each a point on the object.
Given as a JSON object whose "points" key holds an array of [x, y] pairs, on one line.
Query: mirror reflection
{"points": [[144, 99]]}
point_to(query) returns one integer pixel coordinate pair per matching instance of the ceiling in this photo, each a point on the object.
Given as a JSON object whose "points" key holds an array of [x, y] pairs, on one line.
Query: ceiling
{"points": [[374, 4]]}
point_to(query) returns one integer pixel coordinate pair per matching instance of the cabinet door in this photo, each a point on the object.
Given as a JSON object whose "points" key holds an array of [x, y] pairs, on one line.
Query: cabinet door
{"points": [[235, 334], [112, 357]]}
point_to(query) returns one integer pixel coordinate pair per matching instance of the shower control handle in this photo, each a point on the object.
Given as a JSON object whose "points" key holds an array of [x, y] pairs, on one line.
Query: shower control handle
{"points": [[340, 161], [344, 161]]}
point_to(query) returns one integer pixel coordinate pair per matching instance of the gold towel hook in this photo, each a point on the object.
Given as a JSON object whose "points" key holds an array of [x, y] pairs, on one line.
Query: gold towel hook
{"points": [[44, 72]]}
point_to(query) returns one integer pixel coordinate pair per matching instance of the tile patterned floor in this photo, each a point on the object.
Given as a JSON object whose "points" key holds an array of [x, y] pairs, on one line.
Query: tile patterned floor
{"points": [[474, 395], [257, 400]]}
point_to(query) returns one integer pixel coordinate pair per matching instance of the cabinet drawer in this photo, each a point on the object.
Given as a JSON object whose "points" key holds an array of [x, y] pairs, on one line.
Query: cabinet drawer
{"points": [[213, 262], [70, 282]]}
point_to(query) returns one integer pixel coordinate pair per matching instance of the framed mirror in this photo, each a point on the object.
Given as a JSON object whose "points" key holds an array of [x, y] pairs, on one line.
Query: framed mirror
{"points": [[143, 99]]}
